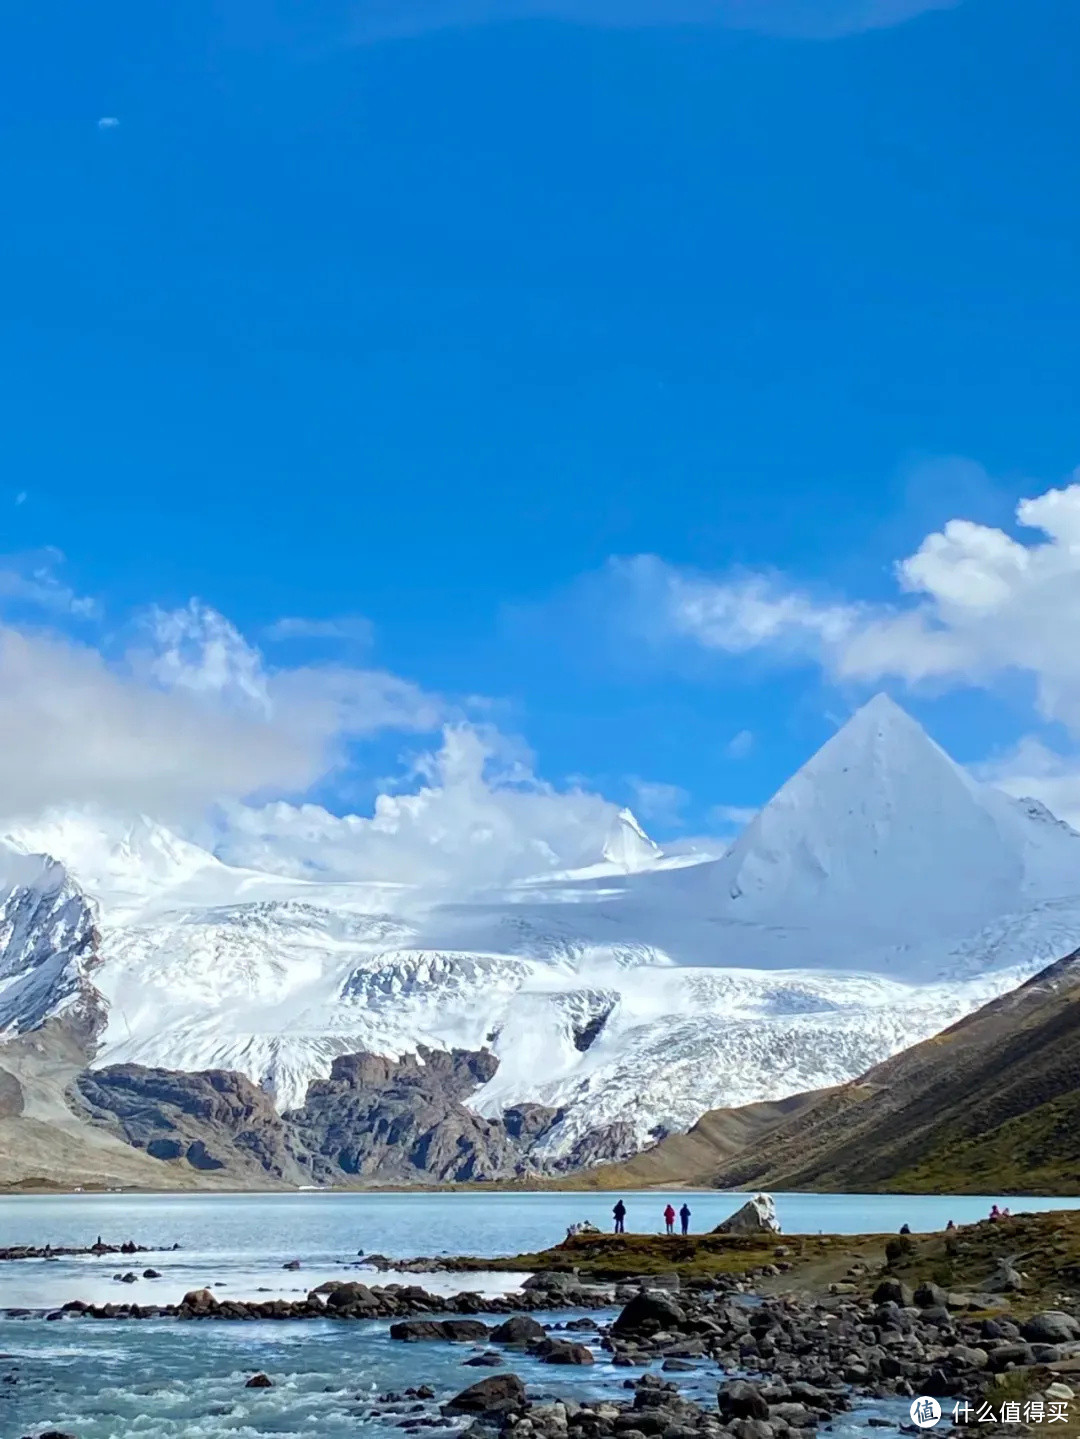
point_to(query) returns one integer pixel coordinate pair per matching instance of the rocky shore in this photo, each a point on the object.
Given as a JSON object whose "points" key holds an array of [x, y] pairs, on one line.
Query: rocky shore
{"points": [[790, 1341]]}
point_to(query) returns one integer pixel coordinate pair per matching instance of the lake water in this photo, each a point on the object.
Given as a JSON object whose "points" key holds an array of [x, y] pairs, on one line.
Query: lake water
{"points": [[114, 1380]]}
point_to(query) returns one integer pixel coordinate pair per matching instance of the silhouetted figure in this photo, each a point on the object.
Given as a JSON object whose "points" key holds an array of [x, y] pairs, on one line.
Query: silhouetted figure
{"points": [[684, 1215], [620, 1217], [995, 1212], [949, 1226], [905, 1229], [669, 1219]]}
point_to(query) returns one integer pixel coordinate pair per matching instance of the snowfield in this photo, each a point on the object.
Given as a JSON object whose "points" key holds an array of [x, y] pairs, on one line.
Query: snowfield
{"points": [[880, 896]]}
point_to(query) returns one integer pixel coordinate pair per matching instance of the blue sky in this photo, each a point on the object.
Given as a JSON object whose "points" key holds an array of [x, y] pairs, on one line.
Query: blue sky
{"points": [[421, 322]]}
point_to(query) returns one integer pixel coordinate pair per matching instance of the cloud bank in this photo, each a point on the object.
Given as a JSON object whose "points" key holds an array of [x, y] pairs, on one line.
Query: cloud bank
{"points": [[186, 721], [974, 604], [480, 817]]}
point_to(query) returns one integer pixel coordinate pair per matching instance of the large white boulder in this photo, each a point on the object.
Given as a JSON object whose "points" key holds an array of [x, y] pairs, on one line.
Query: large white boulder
{"points": [[757, 1216]]}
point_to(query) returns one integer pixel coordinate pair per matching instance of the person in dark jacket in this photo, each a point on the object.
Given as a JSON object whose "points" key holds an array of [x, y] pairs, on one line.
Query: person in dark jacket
{"points": [[684, 1215], [620, 1216], [669, 1219]]}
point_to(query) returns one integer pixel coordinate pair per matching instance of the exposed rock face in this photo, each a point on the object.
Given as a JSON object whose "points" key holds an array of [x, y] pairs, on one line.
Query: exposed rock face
{"points": [[374, 1117], [213, 1120], [406, 1119], [48, 948], [757, 1216]]}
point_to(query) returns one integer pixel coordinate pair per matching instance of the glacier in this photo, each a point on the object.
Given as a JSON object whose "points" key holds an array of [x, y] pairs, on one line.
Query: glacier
{"points": [[879, 896]]}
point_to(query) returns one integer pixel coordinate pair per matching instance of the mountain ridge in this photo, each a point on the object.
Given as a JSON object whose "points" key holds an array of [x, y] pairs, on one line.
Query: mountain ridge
{"points": [[630, 998]]}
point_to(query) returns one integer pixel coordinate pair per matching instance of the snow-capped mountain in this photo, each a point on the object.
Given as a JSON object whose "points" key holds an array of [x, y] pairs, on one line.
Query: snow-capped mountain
{"points": [[48, 943], [881, 894]]}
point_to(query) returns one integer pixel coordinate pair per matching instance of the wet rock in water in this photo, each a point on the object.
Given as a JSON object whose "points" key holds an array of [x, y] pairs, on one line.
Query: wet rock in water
{"points": [[348, 1296], [151, 1274], [490, 1360], [563, 1351], [1052, 1326], [259, 1381], [292, 1264], [458, 1330], [521, 1329], [649, 1312], [198, 1299], [495, 1395], [757, 1216]]}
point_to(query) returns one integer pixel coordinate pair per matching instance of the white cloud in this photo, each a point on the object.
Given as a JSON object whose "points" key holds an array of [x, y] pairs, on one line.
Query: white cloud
{"points": [[1034, 770], [654, 800], [480, 817], [188, 716], [740, 745], [21, 497], [195, 648], [974, 604], [72, 730], [108, 122], [31, 579], [191, 721], [732, 816], [339, 627]]}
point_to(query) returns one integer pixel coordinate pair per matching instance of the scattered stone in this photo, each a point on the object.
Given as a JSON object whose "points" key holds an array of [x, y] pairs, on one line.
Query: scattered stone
{"points": [[259, 1381]]}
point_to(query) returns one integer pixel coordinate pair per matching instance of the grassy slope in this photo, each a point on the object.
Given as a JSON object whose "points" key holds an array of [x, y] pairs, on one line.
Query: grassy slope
{"points": [[990, 1105]]}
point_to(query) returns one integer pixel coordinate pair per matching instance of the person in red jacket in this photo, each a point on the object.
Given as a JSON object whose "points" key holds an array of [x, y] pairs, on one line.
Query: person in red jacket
{"points": [[669, 1219]]}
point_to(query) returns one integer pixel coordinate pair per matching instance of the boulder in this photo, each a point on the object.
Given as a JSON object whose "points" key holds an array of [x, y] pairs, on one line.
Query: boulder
{"points": [[198, 1299], [460, 1330], [563, 1351], [894, 1291], [652, 1311], [346, 1296], [741, 1400], [757, 1216], [521, 1329], [1051, 1326], [550, 1280], [1005, 1279], [1018, 1355], [494, 1395], [259, 1381], [930, 1296]]}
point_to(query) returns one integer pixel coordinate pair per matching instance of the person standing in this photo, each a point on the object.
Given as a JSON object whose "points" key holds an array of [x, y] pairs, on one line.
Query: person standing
{"points": [[669, 1219], [620, 1217], [684, 1215]]}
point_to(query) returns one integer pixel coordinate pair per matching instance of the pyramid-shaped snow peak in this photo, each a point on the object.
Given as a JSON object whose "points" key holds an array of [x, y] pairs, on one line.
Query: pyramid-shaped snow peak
{"points": [[627, 844], [882, 832]]}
